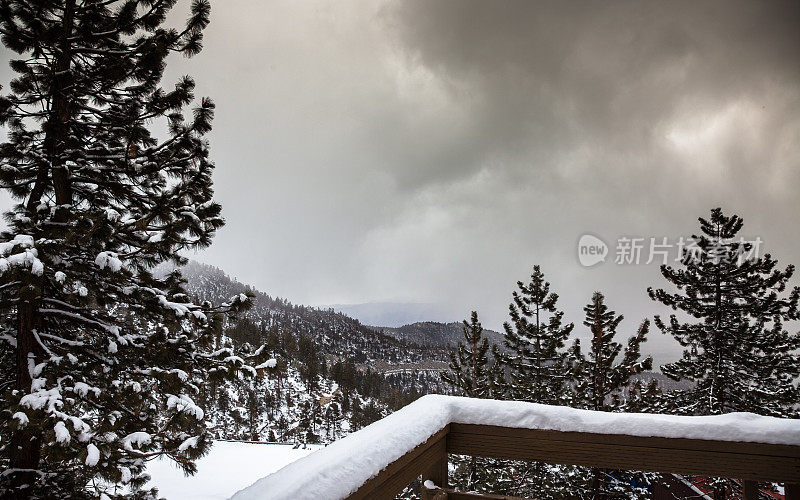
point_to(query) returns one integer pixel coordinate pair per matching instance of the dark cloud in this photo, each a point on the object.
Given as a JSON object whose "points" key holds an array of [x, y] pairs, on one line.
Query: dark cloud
{"points": [[432, 151], [619, 78], [618, 118]]}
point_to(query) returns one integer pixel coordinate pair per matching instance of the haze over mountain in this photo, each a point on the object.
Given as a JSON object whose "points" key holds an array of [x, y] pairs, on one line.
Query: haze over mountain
{"points": [[394, 314]]}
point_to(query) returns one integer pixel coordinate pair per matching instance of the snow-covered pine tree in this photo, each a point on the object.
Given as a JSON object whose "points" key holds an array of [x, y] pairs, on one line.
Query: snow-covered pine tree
{"points": [[471, 374], [601, 378], [737, 350], [101, 359], [536, 369], [309, 357], [255, 407], [644, 397], [535, 358], [333, 419], [600, 382]]}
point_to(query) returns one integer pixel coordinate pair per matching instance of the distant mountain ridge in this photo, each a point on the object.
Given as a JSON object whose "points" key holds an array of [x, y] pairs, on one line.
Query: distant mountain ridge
{"points": [[393, 314], [336, 334], [333, 374], [439, 334]]}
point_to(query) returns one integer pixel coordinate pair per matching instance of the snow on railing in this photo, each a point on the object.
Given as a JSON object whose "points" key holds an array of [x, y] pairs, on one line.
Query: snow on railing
{"points": [[341, 468]]}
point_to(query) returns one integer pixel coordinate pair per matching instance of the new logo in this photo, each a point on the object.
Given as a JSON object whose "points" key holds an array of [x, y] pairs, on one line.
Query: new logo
{"points": [[591, 250]]}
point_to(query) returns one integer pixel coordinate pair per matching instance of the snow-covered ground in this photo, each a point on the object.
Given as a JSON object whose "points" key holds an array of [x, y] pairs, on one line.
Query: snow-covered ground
{"points": [[228, 467]]}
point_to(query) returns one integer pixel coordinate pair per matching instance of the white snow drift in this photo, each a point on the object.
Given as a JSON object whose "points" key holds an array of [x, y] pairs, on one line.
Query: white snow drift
{"points": [[228, 467]]}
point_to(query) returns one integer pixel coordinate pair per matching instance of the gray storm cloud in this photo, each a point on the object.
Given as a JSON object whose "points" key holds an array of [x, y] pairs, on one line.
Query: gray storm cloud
{"points": [[433, 151]]}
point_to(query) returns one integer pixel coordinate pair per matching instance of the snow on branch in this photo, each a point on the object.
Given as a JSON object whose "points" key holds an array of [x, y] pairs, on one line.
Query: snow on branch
{"points": [[184, 404], [20, 252], [108, 260]]}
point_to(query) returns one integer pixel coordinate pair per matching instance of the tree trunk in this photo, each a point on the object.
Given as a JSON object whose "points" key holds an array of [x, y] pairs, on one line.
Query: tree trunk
{"points": [[55, 128], [25, 448], [26, 443], [595, 484], [539, 391], [59, 116], [473, 474]]}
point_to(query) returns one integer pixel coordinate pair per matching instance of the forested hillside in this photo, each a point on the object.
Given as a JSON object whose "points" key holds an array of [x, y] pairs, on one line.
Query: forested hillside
{"points": [[334, 334], [332, 374], [435, 333]]}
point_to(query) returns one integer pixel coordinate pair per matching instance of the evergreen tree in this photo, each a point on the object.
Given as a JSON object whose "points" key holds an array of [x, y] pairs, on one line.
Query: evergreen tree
{"points": [[310, 362], [333, 417], [537, 369], [535, 359], [471, 375], [601, 381], [645, 398], [305, 423], [737, 350], [470, 372], [254, 404], [101, 359], [364, 415]]}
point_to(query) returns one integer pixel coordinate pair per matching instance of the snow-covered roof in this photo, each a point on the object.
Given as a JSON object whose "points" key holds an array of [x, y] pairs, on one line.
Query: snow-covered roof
{"points": [[339, 469]]}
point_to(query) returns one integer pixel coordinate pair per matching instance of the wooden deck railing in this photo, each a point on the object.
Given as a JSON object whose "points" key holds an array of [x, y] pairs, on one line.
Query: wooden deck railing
{"points": [[746, 461], [380, 460]]}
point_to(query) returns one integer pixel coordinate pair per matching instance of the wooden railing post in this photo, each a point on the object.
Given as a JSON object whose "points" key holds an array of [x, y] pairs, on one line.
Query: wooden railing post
{"points": [[437, 472], [750, 490]]}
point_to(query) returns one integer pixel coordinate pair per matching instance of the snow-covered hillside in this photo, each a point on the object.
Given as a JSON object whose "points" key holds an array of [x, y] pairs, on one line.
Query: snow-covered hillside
{"points": [[334, 333], [333, 375]]}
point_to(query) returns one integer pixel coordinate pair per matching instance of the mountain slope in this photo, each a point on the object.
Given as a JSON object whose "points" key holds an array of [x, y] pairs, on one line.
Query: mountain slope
{"points": [[335, 334]]}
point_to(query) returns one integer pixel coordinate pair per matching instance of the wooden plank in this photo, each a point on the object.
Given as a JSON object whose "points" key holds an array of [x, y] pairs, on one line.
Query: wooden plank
{"points": [[396, 476], [398, 482], [748, 461], [391, 485], [656, 442], [791, 491], [437, 473]]}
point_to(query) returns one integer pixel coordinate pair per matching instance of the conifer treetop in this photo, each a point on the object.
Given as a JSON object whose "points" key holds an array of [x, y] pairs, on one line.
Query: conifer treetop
{"points": [[734, 307], [534, 340]]}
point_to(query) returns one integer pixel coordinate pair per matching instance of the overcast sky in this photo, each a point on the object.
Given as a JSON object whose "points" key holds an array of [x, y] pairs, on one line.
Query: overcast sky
{"points": [[433, 151]]}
